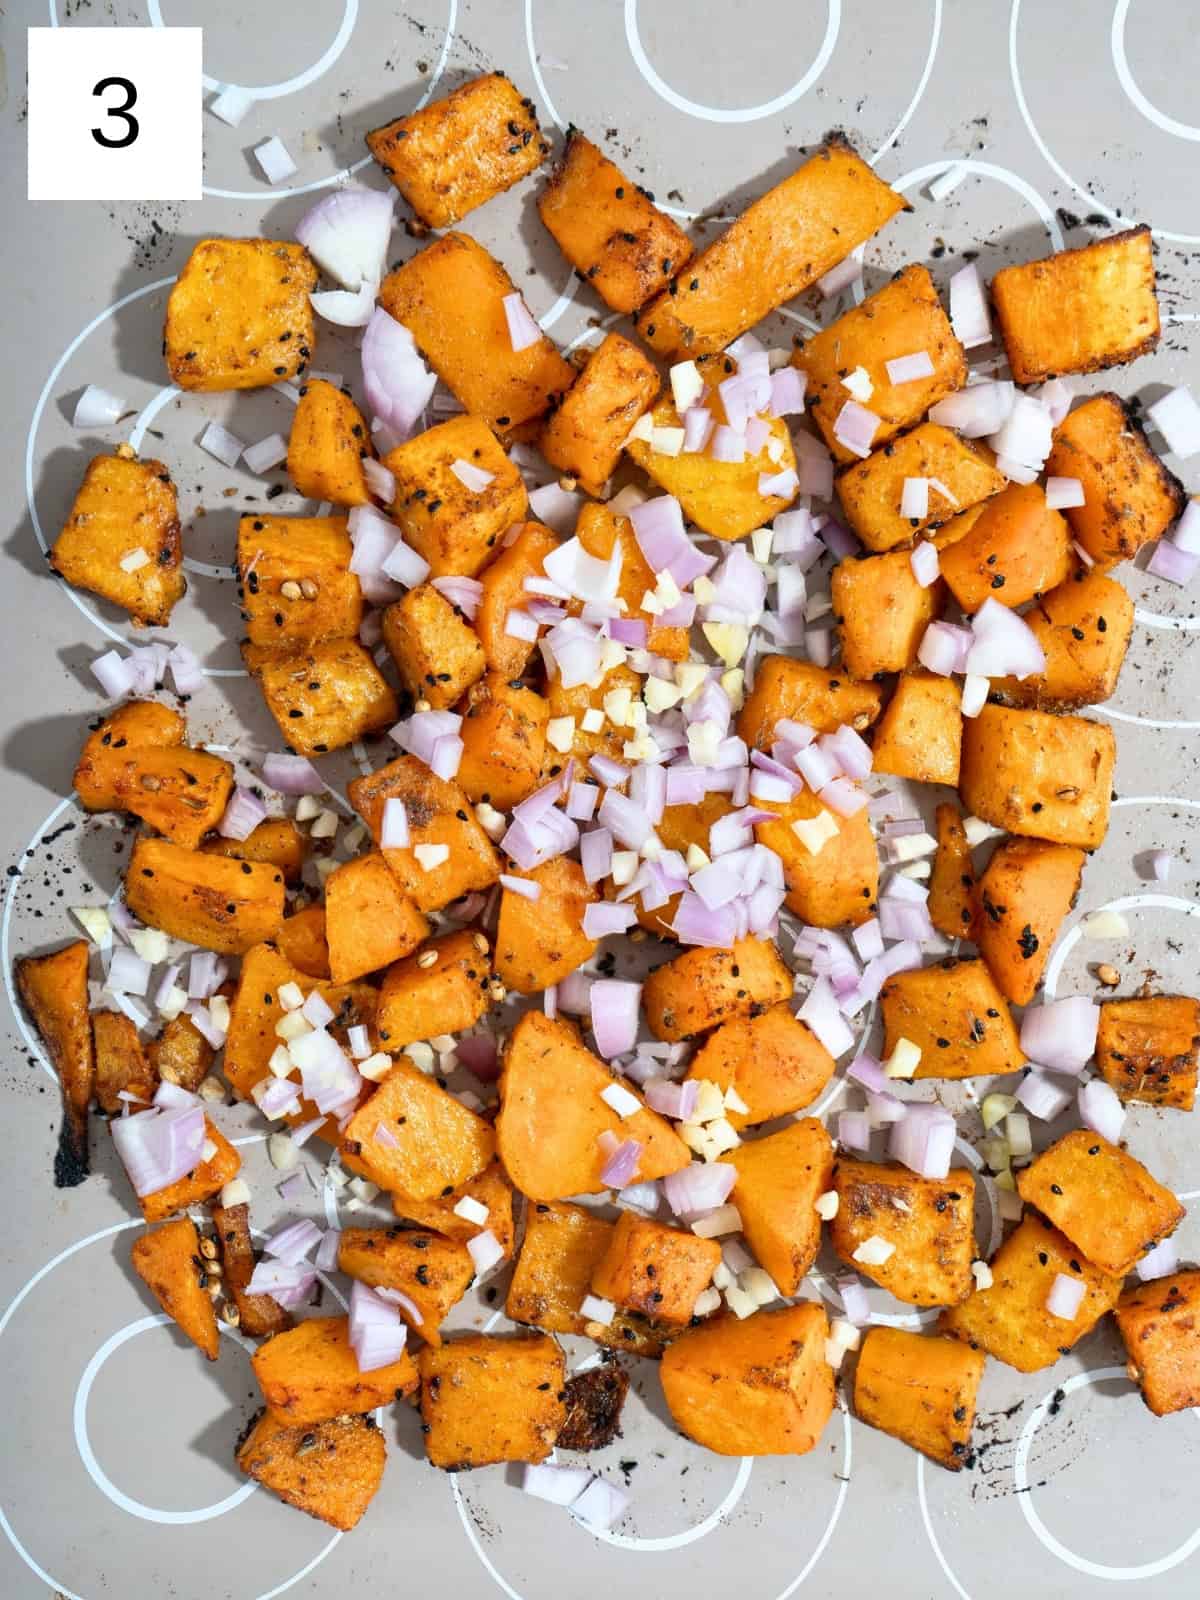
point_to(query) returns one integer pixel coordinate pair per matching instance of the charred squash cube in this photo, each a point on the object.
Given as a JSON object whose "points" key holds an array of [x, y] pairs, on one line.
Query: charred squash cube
{"points": [[952, 881], [1010, 1321], [487, 1398], [258, 1314], [882, 612], [422, 997], [169, 1263], [125, 510], [780, 245], [1147, 1049], [1084, 627], [136, 761], [212, 901], [921, 1390], [919, 735], [719, 497], [955, 1015], [562, 1247], [701, 988], [504, 741], [584, 434], [1160, 1325], [323, 696], [929, 1222], [1024, 894], [608, 227], [277, 842], [455, 526], [327, 446], [1010, 551], [655, 1270], [369, 920], [239, 316], [458, 152], [181, 1054], [437, 652], [960, 474], [310, 1374], [779, 1181], [332, 1469], [121, 1063], [1080, 310], [1040, 776], [54, 991], [903, 318], [1130, 497], [1103, 1199], [434, 1273], [439, 1143], [297, 586], [451, 297], [822, 697]]}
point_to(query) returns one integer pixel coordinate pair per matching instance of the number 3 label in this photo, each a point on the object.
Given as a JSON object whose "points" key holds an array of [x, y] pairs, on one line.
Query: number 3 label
{"points": [[115, 113], [121, 113]]}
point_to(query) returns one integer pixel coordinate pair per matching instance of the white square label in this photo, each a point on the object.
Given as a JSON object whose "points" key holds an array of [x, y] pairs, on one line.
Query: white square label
{"points": [[115, 114]]}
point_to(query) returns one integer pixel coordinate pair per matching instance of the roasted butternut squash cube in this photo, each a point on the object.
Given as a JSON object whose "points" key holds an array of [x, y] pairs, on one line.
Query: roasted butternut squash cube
{"points": [[181, 1054], [436, 651], [443, 989], [718, 497], [125, 510], [1103, 1199], [840, 882], [1024, 894], [503, 735], [952, 881], [439, 1142], [921, 1390], [960, 474], [773, 1062], [540, 941], [680, 827], [1080, 310], [169, 1263], [777, 248], [458, 152], [562, 1246], [327, 446], [203, 899], [503, 581], [1084, 627], [453, 526], [490, 1188], [1161, 1332], [702, 987], [1129, 496], [239, 316], [1010, 1321], [903, 318], [656, 1270], [608, 227], [599, 530], [369, 920], [882, 612], [919, 735], [575, 703], [331, 1470], [302, 941], [1040, 776], [297, 586], [779, 1180], [439, 814], [121, 1063], [955, 1015], [311, 1374], [1147, 1049], [277, 842], [585, 432], [434, 1273], [552, 1115], [929, 1222], [488, 1398], [324, 695], [200, 1185], [758, 1387], [451, 297], [258, 1314], [824, 698], [1012, 550], [136, 761]]}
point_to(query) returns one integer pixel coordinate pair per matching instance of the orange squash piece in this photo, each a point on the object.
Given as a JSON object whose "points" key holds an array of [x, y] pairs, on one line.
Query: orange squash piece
{"points": [[882, 612], [921, 1390], [1024, 894], [169, 1263], [929, 1222], [1161, 1332], [297, 587], [1084, 627], [1014, 549], [919, 735], [369, 920], [870, 490], [439, 1142], [1147, 1049], [327, 446], [124, 505], [136, 761], [332, 1469], [702, 987], [488, 1398], [822, 697], [952, 880], [436, 651], [540, 941], [433, 1272], [956, 1016], [121, 1063], [1041, 776], [840, 883], [203, 899], [584, 434], [201, 1184], [277, 842], [310, 1374], [490, 1188], [779, 1180], [54, 991], [258, 1314], [421, 997], [503, 584], [503, 734], [301, 940], [655, 1270], [773, 1062]]}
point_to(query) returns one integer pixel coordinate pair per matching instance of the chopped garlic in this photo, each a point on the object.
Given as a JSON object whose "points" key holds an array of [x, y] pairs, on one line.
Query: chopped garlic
{"points": [[759, 1285], [336, 1175], [696, 858], [431, 856], [760, 544], [624, 866], [727, 640], [710, 1101], [873, 1252], [419, 1053], [660, 694], [592, 720], [687, 385], [218, 1010], [696, 1138], [354, 836], [643, 428], [134, 561], [734, 684], [308, 807], [619, 1099], [704, 741], [282, 1152], [911, 846], [835, 1354], [916, 869], [706, 1303], [996, 1107], [650, 604], [325, 826], [492, 822], [363, 1189], [722, 1136], [235, 1193], [1100, 925], [293, 1026], [471, 1210], [667, 441], [211, 1089], [652, 850], [826, 1205], [704, 590], [172, 1003], [982, 1274], [815, 833], [691, 675], [740, 1303], [290, 996], [775, 452], [209, 1150], [324, 865], [1018, 1134], [617, 704], [643, 748], [904, 1059], [718, 1222], [722, 1277], [95, 922], [594, 1309], [845, 1333], [377, 1066], [151, 944], [995, 1153], [859, 384], [734, 1102], [978, 831], [560, 733], [280, 1062]]}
